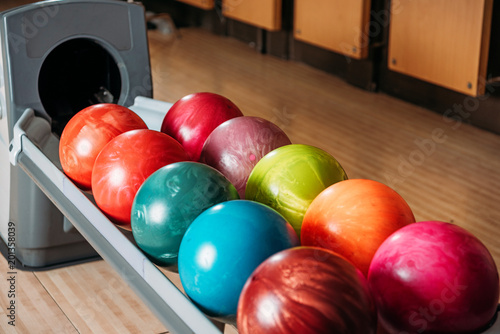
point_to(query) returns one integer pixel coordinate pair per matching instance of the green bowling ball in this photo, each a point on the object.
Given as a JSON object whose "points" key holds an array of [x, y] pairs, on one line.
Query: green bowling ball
{"points": [[168, 201], [290, 177]]}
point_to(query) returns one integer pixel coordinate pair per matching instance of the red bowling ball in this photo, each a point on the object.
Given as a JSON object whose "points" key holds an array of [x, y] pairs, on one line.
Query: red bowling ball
{"points": [[124, 164], [434, 277], [306, 290], [235, 147], [191, 119], [87, 133]]}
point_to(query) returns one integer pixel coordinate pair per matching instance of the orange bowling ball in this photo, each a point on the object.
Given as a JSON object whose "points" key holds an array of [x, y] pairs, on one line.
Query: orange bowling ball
{"points": [[353, 218]]}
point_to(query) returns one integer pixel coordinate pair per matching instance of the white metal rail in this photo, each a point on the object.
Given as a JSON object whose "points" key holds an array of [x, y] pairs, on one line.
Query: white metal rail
{"points": [[167, 302]]}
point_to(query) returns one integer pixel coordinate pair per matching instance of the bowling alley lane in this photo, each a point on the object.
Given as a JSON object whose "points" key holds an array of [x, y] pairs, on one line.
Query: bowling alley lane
{"points": [[445, 171]]}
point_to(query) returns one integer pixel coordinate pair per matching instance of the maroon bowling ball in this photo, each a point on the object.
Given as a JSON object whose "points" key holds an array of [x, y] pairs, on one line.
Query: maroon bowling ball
{"points": [[306, 290], [434, 277], [235, 147]]}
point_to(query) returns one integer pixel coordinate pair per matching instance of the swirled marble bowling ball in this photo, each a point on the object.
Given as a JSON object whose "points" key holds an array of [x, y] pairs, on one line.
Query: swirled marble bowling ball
{"points": [[168, 202], [288, 178], [222, 247], [353, 218], [86, 134], [191, 119], [434, 277], [124, 164], [237, 145], [306, 290]]}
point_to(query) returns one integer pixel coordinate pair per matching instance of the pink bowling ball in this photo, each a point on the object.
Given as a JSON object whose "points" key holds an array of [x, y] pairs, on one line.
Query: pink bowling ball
{"points": [[434, 277], [235, 147]]}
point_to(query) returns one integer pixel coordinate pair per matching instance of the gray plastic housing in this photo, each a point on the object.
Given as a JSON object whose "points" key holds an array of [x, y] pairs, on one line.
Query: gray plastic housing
{"points": [[37, 71]]}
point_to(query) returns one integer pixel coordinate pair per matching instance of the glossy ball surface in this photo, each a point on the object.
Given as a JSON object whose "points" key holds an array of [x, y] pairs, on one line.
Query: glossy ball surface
{"points": [[86, 134], [191, 119], [124, 164], [237, 145], [306, 290], [434, 277], [221, 249], [168, 202], [290, 177], [353, 218]]}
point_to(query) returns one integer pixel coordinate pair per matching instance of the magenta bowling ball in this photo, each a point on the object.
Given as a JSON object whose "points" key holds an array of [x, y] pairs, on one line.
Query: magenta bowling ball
{"points": [[434, 277], [235, 147]]}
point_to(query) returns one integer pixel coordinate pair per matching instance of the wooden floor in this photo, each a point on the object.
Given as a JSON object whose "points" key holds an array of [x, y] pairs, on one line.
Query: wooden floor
{"points": [[445, 169]]}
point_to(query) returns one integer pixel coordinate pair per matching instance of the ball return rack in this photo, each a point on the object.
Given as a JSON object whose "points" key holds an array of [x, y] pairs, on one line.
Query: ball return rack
{"points": [[32, 135], [57, 57]]}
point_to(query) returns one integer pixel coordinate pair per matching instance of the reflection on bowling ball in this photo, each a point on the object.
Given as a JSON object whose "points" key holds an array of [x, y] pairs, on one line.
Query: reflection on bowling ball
{"points": [[237, 145], [306, 290], [290, 177], [434, 277], [168, 202], [223, 246], [124, 164], [87, 133], [353, 218], [191, 119]]}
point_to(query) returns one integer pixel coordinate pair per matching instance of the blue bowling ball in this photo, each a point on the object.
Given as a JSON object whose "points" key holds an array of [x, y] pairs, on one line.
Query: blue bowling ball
{"points": [[168, 202], [221, 249]]}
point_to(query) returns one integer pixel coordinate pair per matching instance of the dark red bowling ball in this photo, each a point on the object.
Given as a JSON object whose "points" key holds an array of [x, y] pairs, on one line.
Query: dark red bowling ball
{"points": [[235, 147], [124, 164], [434, 277], [306, 290], [191, 119]]}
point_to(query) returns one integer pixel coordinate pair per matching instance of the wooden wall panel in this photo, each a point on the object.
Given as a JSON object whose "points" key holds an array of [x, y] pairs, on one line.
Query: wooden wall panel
{"points": [[337, 25], [264, 14], [203, 4], [444, 42]]}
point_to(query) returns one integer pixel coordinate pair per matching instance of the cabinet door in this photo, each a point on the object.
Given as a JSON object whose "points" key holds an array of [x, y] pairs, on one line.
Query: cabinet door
{"points": [[337, 25], [444, 42], [204, 4], [264, 14]]}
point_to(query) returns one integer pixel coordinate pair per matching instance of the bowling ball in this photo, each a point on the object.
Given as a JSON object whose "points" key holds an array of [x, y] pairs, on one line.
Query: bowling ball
{"points": [[124, 164], [85, 135], [168, 202], [288, 178], [235, 147], [223, 246], [191, 119], [434, 277], [353, 218], [306, 290]]}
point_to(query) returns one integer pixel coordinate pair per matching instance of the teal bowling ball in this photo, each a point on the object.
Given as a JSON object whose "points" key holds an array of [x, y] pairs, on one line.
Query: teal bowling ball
{"points": [[168, 202], [288, 179], [221, 249]]}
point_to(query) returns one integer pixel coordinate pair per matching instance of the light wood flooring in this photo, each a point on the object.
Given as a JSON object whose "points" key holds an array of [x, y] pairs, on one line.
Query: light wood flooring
{"points": [[446, 170]]}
